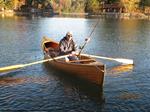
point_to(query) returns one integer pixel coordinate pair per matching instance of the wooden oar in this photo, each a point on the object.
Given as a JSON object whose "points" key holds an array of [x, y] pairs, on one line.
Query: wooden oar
{"points": [[14, 67], [121, 60]]}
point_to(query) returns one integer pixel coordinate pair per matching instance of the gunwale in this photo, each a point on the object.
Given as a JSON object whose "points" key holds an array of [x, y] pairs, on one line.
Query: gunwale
{"points": [[92, 71]]}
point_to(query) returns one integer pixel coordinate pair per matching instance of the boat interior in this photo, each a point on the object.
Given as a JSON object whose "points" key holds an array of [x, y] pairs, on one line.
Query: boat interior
{"points": [[53, 49], [51, 45]]}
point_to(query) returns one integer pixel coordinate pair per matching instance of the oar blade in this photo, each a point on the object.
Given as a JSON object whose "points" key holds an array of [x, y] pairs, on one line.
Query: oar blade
{"points": [[125, 61], [120, 60], [10, 68]]}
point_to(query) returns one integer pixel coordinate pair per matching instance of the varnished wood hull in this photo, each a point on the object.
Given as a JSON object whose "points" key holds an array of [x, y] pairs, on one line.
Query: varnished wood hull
{"points": [[92, 71]]}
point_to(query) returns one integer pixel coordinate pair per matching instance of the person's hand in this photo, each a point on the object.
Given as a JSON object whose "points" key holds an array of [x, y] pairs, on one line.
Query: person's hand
{"points": [[70, 54], [66, 59], [74, 53]]}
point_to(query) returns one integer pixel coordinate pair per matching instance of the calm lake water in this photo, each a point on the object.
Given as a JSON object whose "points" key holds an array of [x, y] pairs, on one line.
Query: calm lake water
{"points": [[40, 88]]}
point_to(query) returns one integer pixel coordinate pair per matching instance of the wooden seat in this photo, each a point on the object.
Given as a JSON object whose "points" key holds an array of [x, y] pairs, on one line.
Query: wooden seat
{"points": [[82, 60]]}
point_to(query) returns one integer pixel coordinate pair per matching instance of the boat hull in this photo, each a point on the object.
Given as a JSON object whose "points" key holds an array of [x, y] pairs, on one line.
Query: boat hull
{"points": [[92, 71]]}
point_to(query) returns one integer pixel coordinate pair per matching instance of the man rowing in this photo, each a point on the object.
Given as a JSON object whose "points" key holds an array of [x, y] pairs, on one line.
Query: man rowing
{"points": [[68, 46]]}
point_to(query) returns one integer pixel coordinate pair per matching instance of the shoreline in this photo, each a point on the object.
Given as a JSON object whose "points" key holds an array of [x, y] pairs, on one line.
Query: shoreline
{"points": [[123, 16], [110, 15]]}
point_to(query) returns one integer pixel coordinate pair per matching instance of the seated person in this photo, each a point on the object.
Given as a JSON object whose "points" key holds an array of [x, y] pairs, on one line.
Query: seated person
{"points": [[68, 46]]}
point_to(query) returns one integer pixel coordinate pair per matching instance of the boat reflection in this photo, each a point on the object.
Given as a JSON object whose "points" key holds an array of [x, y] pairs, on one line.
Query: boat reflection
{"points": [[120, 69], [129, 96], [74, 85], [10, 79]]}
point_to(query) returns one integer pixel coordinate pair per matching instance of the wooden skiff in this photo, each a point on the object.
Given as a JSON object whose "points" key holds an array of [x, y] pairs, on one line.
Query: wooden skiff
{"points": [[87, 68]]}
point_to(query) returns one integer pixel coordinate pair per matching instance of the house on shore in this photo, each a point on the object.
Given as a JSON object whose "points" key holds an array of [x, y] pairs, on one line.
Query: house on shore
{"points": [[113, 7]]}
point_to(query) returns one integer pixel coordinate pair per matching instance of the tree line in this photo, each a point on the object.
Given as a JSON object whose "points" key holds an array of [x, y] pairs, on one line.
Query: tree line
{"points": [[75, 6]]}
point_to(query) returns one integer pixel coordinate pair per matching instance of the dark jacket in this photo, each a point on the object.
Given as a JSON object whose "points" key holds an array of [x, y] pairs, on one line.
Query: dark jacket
{"points": [[66, 47]]}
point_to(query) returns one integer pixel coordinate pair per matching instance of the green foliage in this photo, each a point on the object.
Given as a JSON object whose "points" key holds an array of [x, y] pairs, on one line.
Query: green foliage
{"points": [[111, 1], [78, 6], [92, 6], [7, 4], [2, 3], [146, 2], [65, 6], [68, 6]]}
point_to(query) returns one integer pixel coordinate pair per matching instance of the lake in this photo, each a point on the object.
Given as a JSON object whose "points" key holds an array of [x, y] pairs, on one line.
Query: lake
{"points": [[40, 88]]}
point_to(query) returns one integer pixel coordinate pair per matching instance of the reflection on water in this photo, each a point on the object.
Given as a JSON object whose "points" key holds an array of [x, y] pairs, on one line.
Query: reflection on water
{"points": [[78, 86], [40, 88], [120, 69], [12, 81], [129, 96]]}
